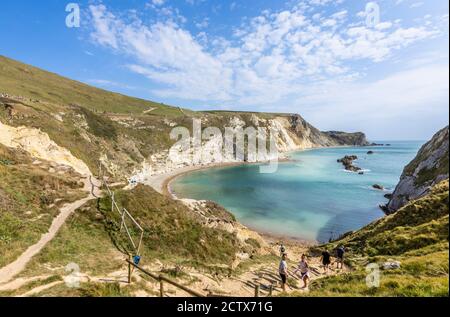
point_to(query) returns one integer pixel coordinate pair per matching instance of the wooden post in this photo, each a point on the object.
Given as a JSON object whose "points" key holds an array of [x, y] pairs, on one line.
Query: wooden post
{"points": [[129, 272], [270, 290], [257, 290], [161, 287]]}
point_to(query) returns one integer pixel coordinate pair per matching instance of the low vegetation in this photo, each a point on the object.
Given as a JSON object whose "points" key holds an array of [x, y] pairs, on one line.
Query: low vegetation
{"points": [[416, 236], [172, 230], [28, 81], [174, 235], [29, 199]]}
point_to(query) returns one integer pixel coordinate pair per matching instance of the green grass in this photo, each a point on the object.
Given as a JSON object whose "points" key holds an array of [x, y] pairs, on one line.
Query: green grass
{"points": [[171, 229], [28, 196], [24, 80], [92, 239], [416, 235], [420, 223], [103, 290], [87, 111], [100, 126], [31, 285], [82, 240], [441, 168]]}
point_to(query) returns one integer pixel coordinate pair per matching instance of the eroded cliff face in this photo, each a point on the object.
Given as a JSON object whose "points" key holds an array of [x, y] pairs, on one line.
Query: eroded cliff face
{"points": [[291, 133], [428, 168], [39, 145], [344, 138]]}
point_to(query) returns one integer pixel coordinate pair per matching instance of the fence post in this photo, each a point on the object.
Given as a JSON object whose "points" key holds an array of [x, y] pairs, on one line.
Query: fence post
{"points": [[270, 290], [129, 271], [161, 287], [257, 290]]}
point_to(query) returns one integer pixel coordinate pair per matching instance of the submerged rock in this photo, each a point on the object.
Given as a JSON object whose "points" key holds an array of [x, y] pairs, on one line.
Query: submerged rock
{"points": [[370, 152], [378, 186]]}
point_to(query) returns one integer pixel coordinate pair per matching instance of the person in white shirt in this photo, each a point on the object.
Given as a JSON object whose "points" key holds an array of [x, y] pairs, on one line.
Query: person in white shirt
{"points": [[303, 267], [283, 270]]}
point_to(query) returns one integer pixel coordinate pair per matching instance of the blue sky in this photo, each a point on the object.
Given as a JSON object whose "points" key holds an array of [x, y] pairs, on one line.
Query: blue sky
{"points": [[318, 58]]}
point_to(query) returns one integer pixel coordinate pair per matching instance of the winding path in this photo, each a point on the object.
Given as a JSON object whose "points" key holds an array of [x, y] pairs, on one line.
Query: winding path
{"points": [[8, 272]]}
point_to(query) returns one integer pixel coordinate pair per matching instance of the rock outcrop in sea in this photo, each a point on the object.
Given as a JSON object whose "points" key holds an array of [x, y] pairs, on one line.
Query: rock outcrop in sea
{"points": [[378, 186], [347, 161], [428, 168], [345, 138]]}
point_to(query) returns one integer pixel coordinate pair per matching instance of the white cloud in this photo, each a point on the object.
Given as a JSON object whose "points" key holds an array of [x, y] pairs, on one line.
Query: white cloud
{"points": [[416, 5], [412, 98], [272, 57], [105, 26], [158, 2], [383, 25], [203, 24]]}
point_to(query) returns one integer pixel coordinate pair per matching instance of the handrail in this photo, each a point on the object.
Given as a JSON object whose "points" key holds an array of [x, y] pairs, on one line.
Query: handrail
{"points": [[115, 207], [161, 278]]}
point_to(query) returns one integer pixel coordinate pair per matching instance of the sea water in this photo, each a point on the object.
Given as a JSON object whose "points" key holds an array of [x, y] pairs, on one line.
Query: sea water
{"points": [[310, 197]]}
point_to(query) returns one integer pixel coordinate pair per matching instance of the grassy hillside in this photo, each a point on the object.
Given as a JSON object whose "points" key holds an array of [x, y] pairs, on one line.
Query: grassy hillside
{"points": [[93, 123], [173, 230], [416, 235], [24, 80], [29, 198], [175, 240], [173, 234]]}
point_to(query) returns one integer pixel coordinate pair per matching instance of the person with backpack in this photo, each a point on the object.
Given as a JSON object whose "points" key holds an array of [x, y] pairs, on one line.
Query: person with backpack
{"points": [[326, 260], [283, 271], [340, 252], [303, 267]]}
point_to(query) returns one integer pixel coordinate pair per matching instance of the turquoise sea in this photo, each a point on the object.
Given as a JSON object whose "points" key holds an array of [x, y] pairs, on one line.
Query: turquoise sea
{"points": [[311, 197]]}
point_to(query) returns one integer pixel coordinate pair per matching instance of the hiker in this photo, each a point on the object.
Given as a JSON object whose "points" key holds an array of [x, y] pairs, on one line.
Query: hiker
{"points": [[303, 267], [340, 256], [326, 260], [283, 270], [282, 249]]}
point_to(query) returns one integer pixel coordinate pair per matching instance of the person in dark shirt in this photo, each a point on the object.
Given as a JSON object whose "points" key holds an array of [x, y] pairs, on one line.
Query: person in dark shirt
{"points": [[326, 260], [340, 256]]}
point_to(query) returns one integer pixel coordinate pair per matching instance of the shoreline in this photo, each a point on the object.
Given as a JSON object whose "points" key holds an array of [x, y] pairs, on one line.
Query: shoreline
{"points": [[272, 238], [162, 184], [170, 177]]}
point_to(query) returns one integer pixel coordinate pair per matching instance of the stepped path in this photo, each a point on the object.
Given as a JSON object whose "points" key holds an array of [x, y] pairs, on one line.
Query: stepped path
{"points": [[264, 274], [240, 285], [8, 272]]}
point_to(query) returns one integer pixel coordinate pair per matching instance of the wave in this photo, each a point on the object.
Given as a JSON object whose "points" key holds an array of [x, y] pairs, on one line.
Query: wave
{"points": [[352, 172]]}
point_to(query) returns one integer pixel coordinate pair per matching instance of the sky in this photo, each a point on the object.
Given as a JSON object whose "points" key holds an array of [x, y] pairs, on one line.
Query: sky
{"points": [[337, 63]]}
